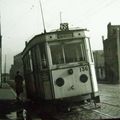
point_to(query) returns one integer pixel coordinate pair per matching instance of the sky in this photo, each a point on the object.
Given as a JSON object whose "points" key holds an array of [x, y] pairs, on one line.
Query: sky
{"points": [[21, 20]]}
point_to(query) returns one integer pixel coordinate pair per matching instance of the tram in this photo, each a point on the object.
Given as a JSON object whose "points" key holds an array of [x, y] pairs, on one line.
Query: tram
{"points": [[59, 66]]}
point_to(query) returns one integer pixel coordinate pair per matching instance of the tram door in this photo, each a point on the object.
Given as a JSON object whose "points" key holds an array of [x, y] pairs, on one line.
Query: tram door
{"points": [[38, 58], [29, 79], [36, 68]]}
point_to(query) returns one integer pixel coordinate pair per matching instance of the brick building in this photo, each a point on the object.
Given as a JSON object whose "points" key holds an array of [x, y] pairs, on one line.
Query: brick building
{"points": [[99, 65], [17, 66], [112, 54]]}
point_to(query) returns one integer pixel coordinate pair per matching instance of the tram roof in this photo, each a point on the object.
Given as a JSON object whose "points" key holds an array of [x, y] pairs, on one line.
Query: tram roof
{"points": [[57, 31], [70, 29]]}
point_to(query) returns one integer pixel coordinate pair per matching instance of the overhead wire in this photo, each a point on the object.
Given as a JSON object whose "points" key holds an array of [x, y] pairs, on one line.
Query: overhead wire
{"points": [[90, 9], [97, 10], [101, 5], [20, 18]]}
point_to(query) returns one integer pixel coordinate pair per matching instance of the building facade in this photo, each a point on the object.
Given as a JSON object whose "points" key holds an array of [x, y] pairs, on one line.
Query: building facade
{"points": [[99, 65], [17, 66], [0, 56], [112, 54]]}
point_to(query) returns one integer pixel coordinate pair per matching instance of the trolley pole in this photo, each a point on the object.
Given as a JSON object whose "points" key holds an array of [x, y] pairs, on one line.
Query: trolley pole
{"points": [[42, 16], [60, 17], [5, 70]]}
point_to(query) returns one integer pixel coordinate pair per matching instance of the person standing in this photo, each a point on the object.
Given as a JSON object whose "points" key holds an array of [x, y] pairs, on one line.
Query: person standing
{"points": [[18, 84]]}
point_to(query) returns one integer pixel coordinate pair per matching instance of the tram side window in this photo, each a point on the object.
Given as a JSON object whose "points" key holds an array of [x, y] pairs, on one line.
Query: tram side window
{"points": [[27, 63], [24, 62], [38, 57], [33, 54], [43, 56], [57, 54], [30, 60]]}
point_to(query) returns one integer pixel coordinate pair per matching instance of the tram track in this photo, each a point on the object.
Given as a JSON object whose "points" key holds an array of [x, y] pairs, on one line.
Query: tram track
{"points": [[83, 113], [102, 114], [79, 114], [118, 106]]}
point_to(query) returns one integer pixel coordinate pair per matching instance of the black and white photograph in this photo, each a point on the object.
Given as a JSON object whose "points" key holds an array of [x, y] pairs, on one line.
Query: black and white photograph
{"points": [[59, 59]]}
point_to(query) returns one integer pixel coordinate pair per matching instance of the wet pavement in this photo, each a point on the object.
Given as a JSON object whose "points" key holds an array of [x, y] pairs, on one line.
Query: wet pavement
{"points": [[11, 109], [110, 99]]}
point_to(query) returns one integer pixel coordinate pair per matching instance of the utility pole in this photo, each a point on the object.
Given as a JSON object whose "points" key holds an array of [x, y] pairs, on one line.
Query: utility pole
{"points": [[5, 70]]}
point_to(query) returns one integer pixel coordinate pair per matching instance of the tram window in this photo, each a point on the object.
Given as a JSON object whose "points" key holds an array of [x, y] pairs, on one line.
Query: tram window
{"points": [[57, 54], [43, 56], [33, 58], [73, 52], [24, 62], [31, 64], [38, 57], [27, 62], [67, 53]]}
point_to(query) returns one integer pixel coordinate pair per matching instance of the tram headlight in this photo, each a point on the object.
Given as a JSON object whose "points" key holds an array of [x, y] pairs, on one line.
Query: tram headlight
{"points": [[60, 82], [70, 71], [83, 78]]}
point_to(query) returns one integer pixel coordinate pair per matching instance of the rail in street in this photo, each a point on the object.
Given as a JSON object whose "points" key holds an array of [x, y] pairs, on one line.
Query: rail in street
{"points": [[107, 109]]}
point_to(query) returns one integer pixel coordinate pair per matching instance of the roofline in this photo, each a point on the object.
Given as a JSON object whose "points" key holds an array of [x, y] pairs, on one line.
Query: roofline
{"points": [[56, 32], [42, 34]]}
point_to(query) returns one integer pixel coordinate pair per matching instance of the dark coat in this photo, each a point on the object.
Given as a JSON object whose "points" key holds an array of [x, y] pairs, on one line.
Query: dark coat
{"points": [[19, 84]]}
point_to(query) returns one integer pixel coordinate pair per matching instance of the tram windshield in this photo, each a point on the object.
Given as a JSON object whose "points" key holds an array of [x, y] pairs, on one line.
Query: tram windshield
{"points": [[67, 53]]}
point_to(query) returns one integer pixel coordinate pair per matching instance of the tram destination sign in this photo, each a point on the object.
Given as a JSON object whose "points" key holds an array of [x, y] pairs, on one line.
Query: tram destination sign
{"points": [[83, 68], [67, 35]]}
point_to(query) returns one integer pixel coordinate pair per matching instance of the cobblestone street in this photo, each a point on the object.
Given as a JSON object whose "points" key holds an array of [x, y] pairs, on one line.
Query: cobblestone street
{"points": [[107, 109], [110, 99]]}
